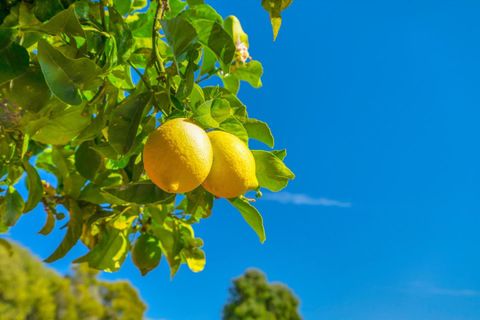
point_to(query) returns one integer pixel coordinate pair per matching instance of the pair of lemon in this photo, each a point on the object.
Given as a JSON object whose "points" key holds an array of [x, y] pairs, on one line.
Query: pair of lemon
{"points": [[180, 156]]}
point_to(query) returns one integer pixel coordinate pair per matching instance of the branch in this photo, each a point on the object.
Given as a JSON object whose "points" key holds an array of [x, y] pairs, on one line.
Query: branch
{"points": [[141, 76], [162, 7]]}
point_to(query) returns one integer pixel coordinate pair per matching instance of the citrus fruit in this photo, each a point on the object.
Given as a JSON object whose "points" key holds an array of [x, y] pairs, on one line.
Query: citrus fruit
{"points": [[178, 156], [233, 168], [146, 253]]}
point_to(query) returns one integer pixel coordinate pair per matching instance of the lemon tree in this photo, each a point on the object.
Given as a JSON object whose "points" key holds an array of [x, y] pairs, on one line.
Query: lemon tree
{"points": [[125, 165]]}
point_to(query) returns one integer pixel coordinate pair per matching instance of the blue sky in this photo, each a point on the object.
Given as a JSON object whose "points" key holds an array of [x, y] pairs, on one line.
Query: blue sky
{"points": [[377, 103]]}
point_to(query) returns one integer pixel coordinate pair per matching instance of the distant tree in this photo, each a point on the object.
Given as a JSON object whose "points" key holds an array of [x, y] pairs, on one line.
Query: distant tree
{"points": [[252, 297], [30, 291]]}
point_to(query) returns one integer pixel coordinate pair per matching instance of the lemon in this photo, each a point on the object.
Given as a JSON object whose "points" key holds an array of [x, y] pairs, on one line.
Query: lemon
{"points": [[233, 168], [178, 156]]}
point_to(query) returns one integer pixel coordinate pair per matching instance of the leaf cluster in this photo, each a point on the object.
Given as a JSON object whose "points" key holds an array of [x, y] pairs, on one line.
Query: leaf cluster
{"points": [[72, 110]]}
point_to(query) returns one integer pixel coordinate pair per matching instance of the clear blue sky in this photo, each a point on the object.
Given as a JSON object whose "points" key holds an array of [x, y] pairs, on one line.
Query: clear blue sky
{"points": [[378, 103]]}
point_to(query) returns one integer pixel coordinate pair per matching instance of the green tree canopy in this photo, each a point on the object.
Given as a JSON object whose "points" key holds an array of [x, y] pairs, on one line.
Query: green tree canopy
{"points": [[252, 298], [31, 291]]}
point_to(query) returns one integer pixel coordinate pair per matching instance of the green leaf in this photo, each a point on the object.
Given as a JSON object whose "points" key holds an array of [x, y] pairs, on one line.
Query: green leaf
{"points": [[234, 126], [180, 34], [65, 76], [208, 62], [175, 7], [197, 203], [123, 6], [93, 130], [170, 243], [194, 2], [69, 180], [274, 8], [271, 172], [212, 112], [146, 253], [139, 4], [239, 109], [13, 62], [87, 160], [6, 37], [251, 216], [110, 251], [250, 72], [65, 21], [125, 120], [45, 9], [281, 154], [260, 131], [74, 231], [34, 186], [62, 127], [30, 90], [202, 11], [49, 224], [139, 193], [122, 34], [142, 26], [12, 207], [209, 27], [195, 258], [231, 83]]}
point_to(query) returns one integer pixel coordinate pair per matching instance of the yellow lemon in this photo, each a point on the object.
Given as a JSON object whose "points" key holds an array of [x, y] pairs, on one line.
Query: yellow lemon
{"points": [[233, 168], [178, 156]]}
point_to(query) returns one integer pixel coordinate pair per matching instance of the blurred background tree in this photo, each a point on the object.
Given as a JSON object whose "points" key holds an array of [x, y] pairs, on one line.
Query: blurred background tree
{"points": [[29, 290], [252, 297]]}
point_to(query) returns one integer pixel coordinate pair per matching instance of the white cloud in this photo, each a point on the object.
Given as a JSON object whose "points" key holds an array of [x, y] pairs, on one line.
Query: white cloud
{"points": [[303, 199], [430, 289]]}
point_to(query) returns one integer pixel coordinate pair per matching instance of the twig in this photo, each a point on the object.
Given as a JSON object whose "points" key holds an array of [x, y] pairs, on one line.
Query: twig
{"points": [[208, 76], [162, 6], [141, 76]]}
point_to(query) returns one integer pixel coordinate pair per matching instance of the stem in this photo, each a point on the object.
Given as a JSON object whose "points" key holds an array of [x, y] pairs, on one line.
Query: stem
{"points": [[159, 13], [101, 7], [141, 76], [208, 76], [155, 102]]}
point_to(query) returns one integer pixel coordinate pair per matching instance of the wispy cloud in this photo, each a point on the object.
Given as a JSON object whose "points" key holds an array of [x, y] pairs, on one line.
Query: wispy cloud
{"points": [[303, 199], [430, 289]]}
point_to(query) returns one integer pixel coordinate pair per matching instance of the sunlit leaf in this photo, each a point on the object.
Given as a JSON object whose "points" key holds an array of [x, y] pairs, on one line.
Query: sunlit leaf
{"points": [[74, 231], [12, 207], [260, 131], [234, 126], [140, 193], [195, 258], [65, 21], [63, 75], [125, 120], [49, 224], [275, 8], [251, 216], [180, 34], [62, 127], [110, 251], [272, 173], [87, 160], [34, 186]]}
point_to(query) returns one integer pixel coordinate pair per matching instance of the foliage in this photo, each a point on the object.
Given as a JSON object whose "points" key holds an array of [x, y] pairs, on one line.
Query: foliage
{"points": [[252, 297], [31, 291], [70, 110]]}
